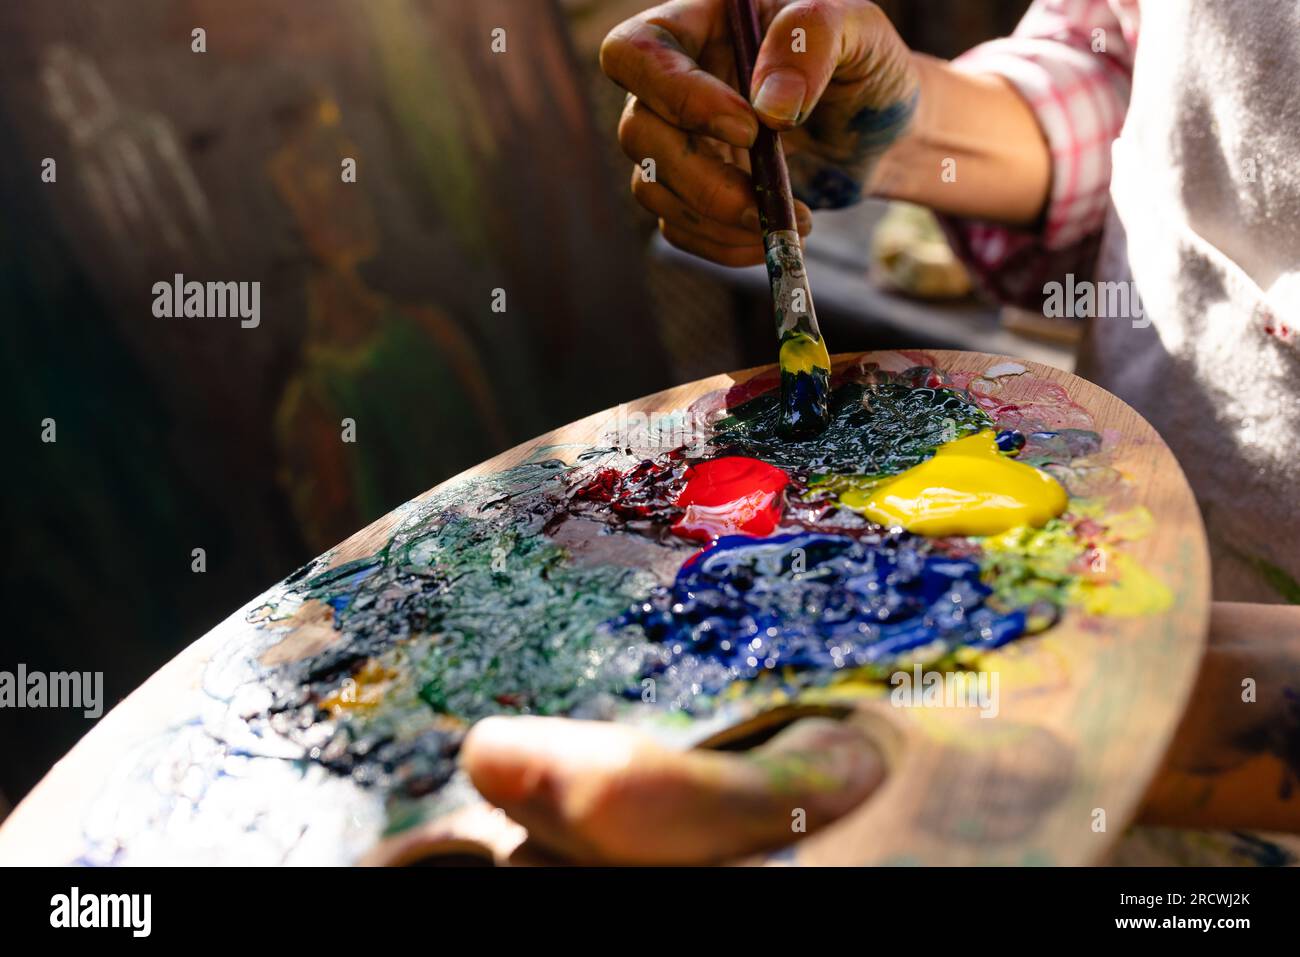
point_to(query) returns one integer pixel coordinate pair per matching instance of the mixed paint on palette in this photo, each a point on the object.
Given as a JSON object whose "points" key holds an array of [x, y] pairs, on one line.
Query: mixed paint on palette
{"points": [[663, 581]]}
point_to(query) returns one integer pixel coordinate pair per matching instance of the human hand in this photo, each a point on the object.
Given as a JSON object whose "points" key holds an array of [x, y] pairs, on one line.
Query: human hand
{"points": [[833, 75], [599, 792]]}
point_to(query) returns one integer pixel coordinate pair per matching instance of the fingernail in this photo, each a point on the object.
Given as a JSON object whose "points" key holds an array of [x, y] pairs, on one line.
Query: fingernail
{"points": [[736, 130], [781, 96], [749, 219]]}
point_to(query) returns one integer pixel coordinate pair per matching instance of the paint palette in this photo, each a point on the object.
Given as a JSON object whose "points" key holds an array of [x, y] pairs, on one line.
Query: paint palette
{"points": [[678, 564]]}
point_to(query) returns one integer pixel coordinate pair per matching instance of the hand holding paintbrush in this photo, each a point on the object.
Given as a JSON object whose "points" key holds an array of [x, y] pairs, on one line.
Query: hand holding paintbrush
{"points": [[832, 74]]}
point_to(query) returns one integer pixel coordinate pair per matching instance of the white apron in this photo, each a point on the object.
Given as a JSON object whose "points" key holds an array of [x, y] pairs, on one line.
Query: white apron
{"points": [[1205, 218]]}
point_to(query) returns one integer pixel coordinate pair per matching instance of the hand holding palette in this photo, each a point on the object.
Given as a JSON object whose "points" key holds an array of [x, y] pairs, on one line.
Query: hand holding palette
{"points": [[959, 515]]}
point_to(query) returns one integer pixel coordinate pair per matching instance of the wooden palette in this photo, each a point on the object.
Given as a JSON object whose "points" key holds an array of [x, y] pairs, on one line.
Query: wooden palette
{"points": [[1086, 712]]}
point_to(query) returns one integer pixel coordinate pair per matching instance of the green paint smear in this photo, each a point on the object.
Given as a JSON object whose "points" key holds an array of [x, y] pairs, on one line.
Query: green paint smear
{"points": [[475, 612], [1026, 566], [520, 637], [502, 623], [874, 430]]}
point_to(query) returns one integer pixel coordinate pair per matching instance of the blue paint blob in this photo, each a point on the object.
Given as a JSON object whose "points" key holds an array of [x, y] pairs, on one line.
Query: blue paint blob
{"points": [[814, 602], [1010, 441]]}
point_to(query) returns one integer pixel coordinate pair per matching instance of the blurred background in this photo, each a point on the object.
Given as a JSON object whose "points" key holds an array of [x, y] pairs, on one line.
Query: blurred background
{"points": [[476, 171]]}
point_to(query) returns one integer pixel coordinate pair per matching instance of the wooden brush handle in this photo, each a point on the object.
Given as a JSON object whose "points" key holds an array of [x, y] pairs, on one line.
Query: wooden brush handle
{"points": [[770, 175]]}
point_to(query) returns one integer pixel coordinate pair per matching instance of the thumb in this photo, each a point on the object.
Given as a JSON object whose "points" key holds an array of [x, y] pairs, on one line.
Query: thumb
{"points": [[796, 61], [596, 790]]}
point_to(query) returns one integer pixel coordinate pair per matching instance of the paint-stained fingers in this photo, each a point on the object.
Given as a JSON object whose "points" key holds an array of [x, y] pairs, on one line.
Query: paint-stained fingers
{"points": [[715, 189], [653, 56], [597, 791], [692, 168], [706, 247], [668, 206]]}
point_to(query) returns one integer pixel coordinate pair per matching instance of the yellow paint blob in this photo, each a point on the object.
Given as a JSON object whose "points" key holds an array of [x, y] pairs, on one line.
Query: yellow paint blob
{"points": [[967, 488], [803, 353]]}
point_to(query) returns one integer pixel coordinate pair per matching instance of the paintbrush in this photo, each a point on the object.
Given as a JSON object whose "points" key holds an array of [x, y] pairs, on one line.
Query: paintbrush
{"points": [[805, 363]]}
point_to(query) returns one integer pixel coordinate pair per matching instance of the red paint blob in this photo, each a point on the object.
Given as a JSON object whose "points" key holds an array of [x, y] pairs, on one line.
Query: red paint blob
{"points": [[734, 495]]}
